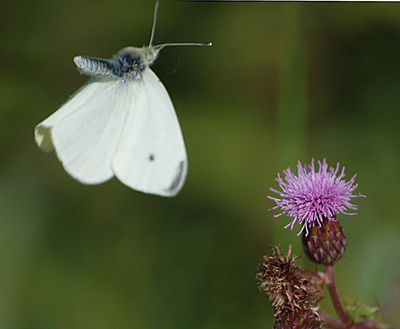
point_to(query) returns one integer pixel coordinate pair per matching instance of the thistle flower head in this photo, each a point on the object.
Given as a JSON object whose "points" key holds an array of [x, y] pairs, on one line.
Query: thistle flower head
{"points": [[312, 196]]}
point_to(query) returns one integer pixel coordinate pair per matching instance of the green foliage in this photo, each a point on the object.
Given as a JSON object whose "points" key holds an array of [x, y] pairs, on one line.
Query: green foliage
{"points": [[359, 311]]}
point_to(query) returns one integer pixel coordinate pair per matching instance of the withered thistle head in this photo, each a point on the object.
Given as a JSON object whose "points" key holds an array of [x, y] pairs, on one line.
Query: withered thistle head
{"points": [[294, 291]]}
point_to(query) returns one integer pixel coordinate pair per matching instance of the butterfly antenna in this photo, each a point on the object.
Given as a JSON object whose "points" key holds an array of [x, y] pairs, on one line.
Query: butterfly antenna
{"points": [[154, 24], [159, 47]]}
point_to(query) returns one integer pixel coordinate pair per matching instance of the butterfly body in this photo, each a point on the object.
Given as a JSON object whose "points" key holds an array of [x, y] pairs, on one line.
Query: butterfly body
{"points": [[128, 63]]}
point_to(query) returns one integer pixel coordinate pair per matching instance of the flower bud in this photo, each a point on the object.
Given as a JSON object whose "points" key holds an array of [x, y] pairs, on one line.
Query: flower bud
{"points": [[325, 243]]}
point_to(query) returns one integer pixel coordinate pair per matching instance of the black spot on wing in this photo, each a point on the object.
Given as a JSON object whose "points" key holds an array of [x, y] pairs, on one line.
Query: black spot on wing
{"points": [[152, 157]]}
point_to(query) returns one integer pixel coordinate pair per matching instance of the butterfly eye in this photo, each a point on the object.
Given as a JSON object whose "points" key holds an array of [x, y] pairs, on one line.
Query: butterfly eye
{"points": [[150, 57]]}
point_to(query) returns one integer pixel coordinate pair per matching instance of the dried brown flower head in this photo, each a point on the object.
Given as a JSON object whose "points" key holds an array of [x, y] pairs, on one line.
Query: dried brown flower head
{"points": [[292, 289]]}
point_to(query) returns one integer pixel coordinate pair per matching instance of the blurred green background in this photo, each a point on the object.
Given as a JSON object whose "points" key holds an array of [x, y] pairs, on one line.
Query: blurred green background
{"points": [[283, 82]]}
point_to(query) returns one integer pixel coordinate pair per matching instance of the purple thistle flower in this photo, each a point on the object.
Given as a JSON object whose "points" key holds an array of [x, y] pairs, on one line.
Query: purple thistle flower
{"points": [[310, 197]]}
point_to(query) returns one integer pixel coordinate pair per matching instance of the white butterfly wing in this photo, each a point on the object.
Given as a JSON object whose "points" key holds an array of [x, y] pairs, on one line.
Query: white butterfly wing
{"points": [[151, 155], [87, 128]]}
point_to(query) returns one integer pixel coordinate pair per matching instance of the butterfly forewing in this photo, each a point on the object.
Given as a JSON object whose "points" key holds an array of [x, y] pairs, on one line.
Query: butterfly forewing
{"points": [[87, 128]]}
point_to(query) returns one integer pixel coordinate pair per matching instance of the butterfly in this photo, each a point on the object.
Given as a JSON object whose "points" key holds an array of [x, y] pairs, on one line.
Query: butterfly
{"points": [[120, 123]]}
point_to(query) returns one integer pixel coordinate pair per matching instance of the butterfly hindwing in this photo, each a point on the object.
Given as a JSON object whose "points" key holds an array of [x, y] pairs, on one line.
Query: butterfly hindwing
{"points": [[150, 155]]}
